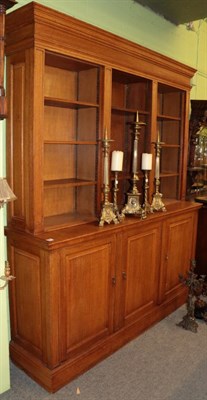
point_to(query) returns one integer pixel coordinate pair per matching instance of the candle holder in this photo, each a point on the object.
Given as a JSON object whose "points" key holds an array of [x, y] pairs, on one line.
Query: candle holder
{"points": [[147, 208], [116, 167], [133, 205], [7, 277], [107, 213], [115, 191], [157, 203]]}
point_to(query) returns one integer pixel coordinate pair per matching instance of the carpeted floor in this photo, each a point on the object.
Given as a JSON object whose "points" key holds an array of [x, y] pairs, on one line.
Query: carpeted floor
{"points": [[165, 363]]}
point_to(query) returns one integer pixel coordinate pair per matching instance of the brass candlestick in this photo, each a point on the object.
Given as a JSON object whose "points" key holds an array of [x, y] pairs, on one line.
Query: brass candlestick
{"points": [[107, 213], [147, 208], [115, 191], [157, 203], [133, 205], [7, 277]]}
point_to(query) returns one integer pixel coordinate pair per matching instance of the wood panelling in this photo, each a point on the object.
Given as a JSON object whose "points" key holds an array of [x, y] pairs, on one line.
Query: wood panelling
{"points": [[28, 329], [88, 295], [142, 270], [94, 289], [177, 252]]}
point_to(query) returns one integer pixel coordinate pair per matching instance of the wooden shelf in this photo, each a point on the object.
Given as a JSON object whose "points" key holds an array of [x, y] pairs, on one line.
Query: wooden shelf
{"points": [[73, 142], [128, 110], [168, 117], [170, 146], [56, 102], [68, 182], [168, 174], [63, 220]]}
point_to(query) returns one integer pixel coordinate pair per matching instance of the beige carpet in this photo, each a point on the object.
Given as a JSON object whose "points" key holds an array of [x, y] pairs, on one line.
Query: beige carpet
{"points": [[165, 363]]}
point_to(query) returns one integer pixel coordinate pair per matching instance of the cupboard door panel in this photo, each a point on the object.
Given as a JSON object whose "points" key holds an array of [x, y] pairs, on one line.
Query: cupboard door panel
{"points": [[178, 250], [88, 298], [27, 331], [142, 271]]}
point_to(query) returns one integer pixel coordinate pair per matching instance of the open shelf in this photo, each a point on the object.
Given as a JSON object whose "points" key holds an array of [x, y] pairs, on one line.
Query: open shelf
{"points": [[75, 142], [128, 110], [78, 99], [68, 103], [68, 182], [163, 117], [64, 220], [71, 121]]}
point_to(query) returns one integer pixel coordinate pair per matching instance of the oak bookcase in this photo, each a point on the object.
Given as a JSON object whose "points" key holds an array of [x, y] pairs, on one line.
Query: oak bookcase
{"points": [[82, 291]]}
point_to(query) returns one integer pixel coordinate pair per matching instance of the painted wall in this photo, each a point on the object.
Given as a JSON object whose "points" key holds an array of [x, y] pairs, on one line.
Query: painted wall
{"points": [[128, 19], [4, 313]]}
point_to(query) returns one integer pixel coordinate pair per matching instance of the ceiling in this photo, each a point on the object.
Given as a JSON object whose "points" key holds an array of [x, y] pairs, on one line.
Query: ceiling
{"points": [[177, 11]]}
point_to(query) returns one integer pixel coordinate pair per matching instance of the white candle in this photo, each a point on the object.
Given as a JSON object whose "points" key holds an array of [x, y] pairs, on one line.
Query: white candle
{"points": [[146, 161], [106, 174], [117, 160], [158, 137], [157, 168], [137, 116], [135, 157]]}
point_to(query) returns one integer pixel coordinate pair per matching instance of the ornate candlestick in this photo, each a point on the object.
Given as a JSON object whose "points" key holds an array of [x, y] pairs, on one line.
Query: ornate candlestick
{"points": [[7, 277], [116, 167], [107, 212], [133, 204], [146, 167], [157, 203]]}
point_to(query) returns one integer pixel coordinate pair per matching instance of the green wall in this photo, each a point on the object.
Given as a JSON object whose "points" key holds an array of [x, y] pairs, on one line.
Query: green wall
{"points": [[4, 323], [128, 19]]}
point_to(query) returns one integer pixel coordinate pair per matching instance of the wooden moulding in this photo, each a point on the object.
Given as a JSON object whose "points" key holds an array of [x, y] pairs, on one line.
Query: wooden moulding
{"points": [[58, 31]]}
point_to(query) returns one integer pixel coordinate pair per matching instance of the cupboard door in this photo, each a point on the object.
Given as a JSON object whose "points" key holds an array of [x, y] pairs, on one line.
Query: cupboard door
{"points": [[25, 300], [87, 295], [178, 250], [140, 271]]}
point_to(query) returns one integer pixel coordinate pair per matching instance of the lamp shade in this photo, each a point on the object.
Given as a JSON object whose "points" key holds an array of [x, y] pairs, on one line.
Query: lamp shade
{"points": [[6, 193]]}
